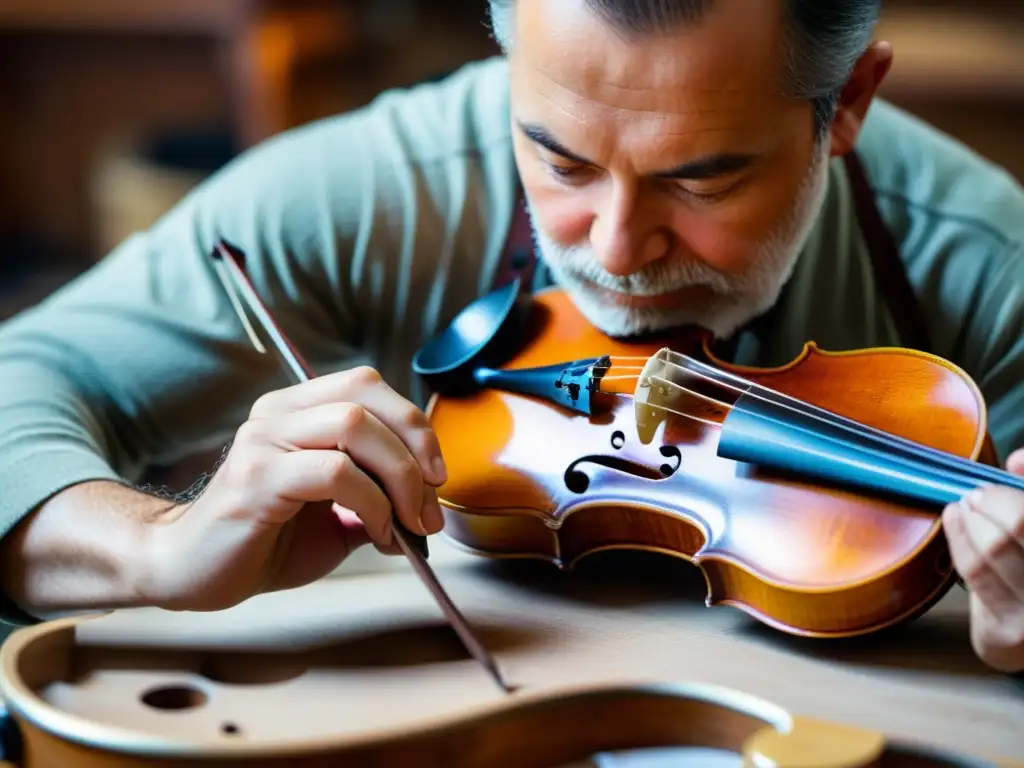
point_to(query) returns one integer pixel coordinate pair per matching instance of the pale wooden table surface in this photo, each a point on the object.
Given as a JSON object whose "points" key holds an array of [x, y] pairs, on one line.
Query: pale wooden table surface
{"points": [[623, 618]]}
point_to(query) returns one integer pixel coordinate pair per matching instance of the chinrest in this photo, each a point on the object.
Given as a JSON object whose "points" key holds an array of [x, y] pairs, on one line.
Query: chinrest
{"points": [[480, 335]]}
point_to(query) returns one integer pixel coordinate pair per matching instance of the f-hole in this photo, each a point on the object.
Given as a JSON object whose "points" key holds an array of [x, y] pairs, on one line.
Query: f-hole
{"points": [[670, 452], [577, 481]]}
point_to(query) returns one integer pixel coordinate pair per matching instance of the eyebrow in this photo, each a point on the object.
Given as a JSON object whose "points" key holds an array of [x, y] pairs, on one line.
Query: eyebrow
{"points": [[709, 167]]}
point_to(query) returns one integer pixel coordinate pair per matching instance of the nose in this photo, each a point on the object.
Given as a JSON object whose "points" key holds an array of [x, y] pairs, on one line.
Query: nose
{"points": [[623, 239]]}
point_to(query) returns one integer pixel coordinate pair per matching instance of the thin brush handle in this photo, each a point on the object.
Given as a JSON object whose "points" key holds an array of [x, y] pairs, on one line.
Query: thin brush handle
{"points": [[413, 546]]}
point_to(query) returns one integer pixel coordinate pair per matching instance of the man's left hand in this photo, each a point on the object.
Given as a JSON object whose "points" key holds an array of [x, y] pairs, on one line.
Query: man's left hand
{"points": [[986, 540]]}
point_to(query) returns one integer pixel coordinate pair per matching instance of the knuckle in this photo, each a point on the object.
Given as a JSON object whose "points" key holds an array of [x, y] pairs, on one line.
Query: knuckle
{"points": [[363, 376], [338, 467], [408, 470], [413, 418], [249, 433], [1017, 529], [246, 470], [264, 405], [996, 548], [350, 417], [974, 573], [1015, 634]]}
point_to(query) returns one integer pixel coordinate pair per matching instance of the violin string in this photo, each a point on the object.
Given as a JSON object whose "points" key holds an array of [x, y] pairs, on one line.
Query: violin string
{"points": [[754, 390], [931, 456], [775, 420], [682, 414], [672, 385], [974, 470]]}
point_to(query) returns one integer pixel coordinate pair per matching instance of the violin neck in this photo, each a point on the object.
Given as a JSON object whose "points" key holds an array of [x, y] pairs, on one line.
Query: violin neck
{"points": [[783, 434]]}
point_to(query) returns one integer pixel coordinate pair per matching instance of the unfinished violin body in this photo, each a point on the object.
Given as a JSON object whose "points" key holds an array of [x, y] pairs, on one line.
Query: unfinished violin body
{"points": [[627, 467], [78, 698]]}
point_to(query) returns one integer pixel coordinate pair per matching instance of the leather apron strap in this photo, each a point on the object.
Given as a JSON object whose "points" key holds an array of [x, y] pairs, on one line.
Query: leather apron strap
{"points": [[519, 258], [890, 273]]}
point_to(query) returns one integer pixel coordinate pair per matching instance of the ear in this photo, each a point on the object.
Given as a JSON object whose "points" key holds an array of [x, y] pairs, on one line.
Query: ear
{"points": [[857, 95]]}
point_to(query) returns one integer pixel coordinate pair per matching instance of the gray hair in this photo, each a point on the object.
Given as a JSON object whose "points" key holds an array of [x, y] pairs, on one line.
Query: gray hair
{"points": [[825, 39]]}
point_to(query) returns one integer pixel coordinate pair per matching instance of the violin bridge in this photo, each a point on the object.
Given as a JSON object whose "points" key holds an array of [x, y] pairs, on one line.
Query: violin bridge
{"points": [[665, 386]]}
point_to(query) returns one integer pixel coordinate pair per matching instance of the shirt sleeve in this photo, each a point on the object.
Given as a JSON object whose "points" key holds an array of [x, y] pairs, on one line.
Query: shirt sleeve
{"points": [[997, 336], [362, 232], [984, 332], [142, 359]]}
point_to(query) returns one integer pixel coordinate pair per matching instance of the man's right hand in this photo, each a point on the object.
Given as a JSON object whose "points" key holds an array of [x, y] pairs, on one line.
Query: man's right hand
{"points": [[296, 494]]}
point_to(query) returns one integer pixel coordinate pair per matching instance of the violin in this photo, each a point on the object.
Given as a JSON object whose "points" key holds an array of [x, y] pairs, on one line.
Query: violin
{"points": [[809, 495]]}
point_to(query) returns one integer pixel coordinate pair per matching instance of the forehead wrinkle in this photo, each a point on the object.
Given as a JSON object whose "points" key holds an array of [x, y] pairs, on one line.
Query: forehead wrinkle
{"points": [[663, 115], [647, 128], [665, 138], [589, 76]]}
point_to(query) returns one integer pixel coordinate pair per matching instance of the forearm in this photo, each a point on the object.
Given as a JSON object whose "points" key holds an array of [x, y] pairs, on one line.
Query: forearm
{"points": [[87, 548]]}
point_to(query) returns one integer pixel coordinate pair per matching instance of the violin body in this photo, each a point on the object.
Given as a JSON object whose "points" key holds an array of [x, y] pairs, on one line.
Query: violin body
{"points": [[527, 479]]}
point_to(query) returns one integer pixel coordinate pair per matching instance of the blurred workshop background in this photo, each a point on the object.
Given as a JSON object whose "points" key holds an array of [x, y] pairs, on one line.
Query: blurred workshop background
{"points": [[111, 109]]}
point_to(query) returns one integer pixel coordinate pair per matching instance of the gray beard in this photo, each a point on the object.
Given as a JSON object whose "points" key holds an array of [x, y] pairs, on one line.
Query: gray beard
{"points": [[736, 299]]}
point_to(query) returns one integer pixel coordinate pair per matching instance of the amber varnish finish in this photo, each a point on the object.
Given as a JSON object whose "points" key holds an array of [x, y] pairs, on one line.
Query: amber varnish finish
{"points": [[527, 479]]}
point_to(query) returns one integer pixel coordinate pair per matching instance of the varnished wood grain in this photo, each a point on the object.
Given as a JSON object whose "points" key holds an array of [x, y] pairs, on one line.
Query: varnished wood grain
{"points": [[802, 558]]}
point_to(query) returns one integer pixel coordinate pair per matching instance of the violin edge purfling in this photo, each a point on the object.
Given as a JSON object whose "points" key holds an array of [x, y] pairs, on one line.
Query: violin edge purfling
{"points": [[509, 493]]}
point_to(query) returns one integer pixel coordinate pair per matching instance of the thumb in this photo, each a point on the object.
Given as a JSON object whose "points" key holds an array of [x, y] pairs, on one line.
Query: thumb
{"points": [[356, 536], [1015, 463], [352, 528]]}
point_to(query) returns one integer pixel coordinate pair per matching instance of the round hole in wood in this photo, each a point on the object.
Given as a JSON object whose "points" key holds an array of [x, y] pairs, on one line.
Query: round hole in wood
{"points": [[252, 668], [230, 729], [174, 697]]}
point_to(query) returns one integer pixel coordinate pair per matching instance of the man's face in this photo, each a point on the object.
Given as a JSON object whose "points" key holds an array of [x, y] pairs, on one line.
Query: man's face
{"points": [[668, 178]]}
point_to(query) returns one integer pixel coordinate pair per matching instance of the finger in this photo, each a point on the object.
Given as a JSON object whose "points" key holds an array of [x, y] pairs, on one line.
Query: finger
{"points": [[364, 387], [356, 535], [330, 475], [376, 449], [319, 543], [996, 640], [433, 519], [965, 558], [1015, 463], [997, 527], [970, 561], [352, 528]]}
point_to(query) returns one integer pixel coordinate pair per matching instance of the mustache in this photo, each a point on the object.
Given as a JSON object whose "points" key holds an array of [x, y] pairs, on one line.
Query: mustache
{"points": [[772, 256], [580, 264]]}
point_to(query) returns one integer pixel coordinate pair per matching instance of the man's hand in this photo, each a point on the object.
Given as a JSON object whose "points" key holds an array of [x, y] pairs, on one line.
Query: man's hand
{"points": [[296, 493], [986, 539]]}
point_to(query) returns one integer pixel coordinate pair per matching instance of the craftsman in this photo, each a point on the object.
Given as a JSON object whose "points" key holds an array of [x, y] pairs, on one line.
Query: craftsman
{"points": [[719, 162]]}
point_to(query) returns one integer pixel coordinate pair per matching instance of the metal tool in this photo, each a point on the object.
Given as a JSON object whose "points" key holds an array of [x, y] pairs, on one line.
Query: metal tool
{"points": [[229, 263]]}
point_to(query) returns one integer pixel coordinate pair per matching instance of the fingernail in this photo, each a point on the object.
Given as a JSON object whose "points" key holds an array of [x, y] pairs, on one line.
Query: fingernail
{"points": [[440, 470], [433, 518], [974, 498]]}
